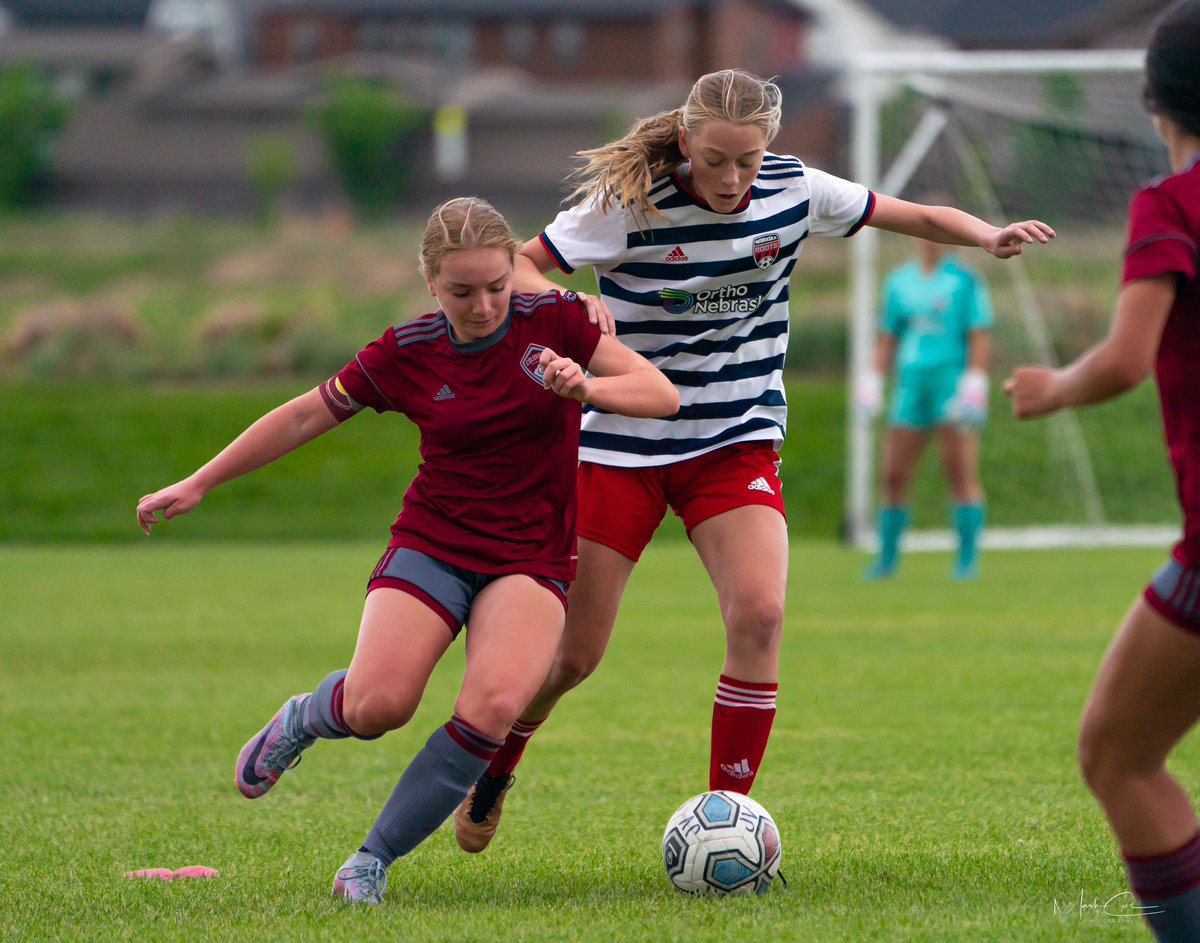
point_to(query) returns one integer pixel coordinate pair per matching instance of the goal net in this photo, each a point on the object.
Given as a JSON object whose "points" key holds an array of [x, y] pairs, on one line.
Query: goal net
{"points": [[1060, 137]]}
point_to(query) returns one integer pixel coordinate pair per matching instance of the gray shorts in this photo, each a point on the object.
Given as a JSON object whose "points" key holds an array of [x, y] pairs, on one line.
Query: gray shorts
{"points": [[447, 589], [1175, 594]]}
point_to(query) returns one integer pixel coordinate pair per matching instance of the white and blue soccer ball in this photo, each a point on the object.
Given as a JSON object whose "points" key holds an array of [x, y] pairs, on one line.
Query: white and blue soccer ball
{"points": [[721, 843]]}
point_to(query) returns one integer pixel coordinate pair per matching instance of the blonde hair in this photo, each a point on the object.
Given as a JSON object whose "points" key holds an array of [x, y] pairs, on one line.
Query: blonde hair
{"points": [[622, 171], [466, 222]]}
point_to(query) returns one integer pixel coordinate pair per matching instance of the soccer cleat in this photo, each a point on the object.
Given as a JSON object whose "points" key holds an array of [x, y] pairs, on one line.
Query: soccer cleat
{"points": [[478, 815], [878, 571], [362, 879], [273, 750], [965, 571]]}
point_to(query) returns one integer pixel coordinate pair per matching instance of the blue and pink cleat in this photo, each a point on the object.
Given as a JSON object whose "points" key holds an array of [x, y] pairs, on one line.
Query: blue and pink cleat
{"points": [[273, 750]]}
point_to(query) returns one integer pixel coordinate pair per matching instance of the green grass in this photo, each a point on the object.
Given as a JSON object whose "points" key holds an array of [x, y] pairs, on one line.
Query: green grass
{"points": [[75, 458], [921, 769]]}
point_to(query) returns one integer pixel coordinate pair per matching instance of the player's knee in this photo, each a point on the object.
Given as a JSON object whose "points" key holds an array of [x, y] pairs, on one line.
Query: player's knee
{"points": [[570, 670], [370, 713], [491, 709], [756, 623], [1107, 761], [1090, 755]]}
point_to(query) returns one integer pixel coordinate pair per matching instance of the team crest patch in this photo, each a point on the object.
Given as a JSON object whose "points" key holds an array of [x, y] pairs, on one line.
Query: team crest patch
{"points": [[530, 363], [766, 249]]}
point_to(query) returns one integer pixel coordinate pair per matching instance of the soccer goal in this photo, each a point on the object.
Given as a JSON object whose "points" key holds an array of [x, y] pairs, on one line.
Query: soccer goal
{"points": [[1057, 136]]}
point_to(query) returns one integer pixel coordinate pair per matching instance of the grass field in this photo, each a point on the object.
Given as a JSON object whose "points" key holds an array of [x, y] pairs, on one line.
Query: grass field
{"points": [[921, 770], [75, 457]]}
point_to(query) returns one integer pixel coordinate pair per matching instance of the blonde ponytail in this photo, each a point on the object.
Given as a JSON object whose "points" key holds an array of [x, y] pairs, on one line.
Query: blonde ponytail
{"points": [[621, 172]]}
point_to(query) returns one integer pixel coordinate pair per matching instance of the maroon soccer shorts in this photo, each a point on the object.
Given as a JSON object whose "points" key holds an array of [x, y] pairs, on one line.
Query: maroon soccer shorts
{"points": [[622, 507]]}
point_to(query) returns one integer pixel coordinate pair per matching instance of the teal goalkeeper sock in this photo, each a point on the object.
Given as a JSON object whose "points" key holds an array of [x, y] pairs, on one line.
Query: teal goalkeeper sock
{"points": [[892, 521], [968, 522]]}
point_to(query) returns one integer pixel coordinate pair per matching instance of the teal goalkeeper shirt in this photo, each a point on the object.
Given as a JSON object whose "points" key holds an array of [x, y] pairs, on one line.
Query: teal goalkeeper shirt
{"points": [[931, 315]]}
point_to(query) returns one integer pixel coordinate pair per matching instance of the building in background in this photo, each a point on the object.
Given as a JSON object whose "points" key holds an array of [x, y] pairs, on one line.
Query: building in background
{"points": [[170, 97]]}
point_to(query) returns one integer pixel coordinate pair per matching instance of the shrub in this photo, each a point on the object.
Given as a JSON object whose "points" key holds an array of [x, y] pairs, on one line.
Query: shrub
{"points": [[368, 130], [30, 115]]}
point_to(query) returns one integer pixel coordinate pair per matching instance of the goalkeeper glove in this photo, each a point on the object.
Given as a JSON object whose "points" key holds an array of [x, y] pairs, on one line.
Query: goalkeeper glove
{"points": [[969, 407], [868, 395]]}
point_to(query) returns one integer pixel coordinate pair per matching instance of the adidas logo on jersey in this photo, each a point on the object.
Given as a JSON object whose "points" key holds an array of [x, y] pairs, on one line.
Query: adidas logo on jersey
{"points": [[739, 770], [760, 484], [676, 255], [443, 393]]}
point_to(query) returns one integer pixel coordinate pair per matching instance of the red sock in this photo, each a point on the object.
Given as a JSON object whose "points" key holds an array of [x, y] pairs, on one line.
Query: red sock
{"points": [[741, 724], [509, 755]]}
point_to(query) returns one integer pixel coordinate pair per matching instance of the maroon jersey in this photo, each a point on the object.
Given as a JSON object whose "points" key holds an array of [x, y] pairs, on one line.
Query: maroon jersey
{"points": [[1164, 239], [495, 492]]}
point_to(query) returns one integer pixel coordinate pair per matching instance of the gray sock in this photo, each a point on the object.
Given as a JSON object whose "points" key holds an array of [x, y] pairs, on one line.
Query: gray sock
{"points": [[322, 711], [1176, 919], [431, 788]]}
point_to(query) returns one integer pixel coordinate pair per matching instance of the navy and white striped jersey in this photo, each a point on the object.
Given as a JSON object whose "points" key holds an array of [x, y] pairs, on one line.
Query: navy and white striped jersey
{"points": [[704, 296]]}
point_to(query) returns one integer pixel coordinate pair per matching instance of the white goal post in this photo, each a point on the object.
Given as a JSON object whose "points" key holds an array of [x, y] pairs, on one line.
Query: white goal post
{"points": [[945, 93]]}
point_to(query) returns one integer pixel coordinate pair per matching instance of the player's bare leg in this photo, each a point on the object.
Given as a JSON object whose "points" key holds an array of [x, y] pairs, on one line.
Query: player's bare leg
{"points": [[745, 552], [1143, 702], [960, 462], [593, 602], [902, 449], [594, 599], [515, 631], [399, 642]]}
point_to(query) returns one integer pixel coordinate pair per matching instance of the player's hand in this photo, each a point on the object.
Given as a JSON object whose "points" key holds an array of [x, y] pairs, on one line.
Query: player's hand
{"points": [[970, 404], [563, 375], [1013, 238], [172, 501], [1032, 391], [598, 313], [868, 395]]}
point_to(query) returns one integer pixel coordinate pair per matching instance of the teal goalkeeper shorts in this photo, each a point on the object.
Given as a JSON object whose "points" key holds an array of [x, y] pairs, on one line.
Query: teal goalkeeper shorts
{"points": [[922, 396]]}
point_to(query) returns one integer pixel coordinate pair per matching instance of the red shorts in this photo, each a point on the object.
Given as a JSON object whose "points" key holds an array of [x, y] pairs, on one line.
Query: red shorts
{"points": [[622, 507]]}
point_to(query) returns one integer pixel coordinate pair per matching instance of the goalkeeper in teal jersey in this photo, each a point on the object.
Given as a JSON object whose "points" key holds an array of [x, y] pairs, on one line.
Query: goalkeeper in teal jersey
{"points": [[935, 338]]}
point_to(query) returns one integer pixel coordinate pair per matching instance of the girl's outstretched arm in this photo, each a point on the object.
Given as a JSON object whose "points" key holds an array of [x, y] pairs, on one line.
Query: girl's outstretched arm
{"points": [[278, 432], [1117, 364], [954, 227]]}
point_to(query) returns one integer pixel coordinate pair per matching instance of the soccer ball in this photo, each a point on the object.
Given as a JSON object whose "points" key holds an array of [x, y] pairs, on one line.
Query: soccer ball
{"points": [[721, 843]]}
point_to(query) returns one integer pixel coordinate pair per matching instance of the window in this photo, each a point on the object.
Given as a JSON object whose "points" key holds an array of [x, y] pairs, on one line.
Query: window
{"points": [[453, 42], [519, 39], [304, 43], [566, 41]]}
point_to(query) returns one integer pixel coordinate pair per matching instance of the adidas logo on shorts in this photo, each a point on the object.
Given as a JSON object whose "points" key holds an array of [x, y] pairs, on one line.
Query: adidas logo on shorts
{"points": [[760, 484], [443, 394]]}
